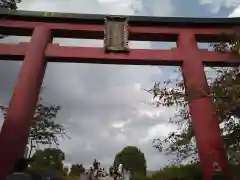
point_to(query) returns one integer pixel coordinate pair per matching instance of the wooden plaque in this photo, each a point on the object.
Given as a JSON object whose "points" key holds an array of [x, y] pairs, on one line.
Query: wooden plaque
{"points": [[116, 34]]}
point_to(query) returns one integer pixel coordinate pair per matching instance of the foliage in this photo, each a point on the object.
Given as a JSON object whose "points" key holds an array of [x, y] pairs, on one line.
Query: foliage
{"points": [[186, 172], [228, 43], [9, 4], [140, 177], [44, 129], [47, 160], [133, 159], [180, 172], [225, 92]]}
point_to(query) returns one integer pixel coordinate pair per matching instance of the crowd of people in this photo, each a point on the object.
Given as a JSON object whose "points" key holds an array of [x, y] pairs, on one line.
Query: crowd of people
{"points": [[95, 172]]}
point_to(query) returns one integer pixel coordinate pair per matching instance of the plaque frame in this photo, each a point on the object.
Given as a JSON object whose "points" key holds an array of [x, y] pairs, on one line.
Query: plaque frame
{"points": [[111, 43]]}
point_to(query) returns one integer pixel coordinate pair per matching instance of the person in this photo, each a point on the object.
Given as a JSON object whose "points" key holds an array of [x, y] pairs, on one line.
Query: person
{"points": [[96, 169], [102, 172], [92, 173], [118, 172], [95, 164], [120, 168], [19, 171], [82, 172], [111, 171]]}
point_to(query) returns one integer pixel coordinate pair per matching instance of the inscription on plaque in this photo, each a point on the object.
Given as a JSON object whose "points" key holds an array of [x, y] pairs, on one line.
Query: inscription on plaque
{"points": [[116, 34]]}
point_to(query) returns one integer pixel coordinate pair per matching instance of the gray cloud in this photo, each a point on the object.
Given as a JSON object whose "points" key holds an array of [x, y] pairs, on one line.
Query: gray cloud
{"points": [[95, 100]]}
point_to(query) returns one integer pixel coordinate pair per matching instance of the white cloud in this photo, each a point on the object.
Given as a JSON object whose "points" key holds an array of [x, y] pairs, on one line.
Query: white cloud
{"points": [[122, 7], [159, 130], [120, 124], [80, 6], [151, 114], [235, 12], [215, 5]]}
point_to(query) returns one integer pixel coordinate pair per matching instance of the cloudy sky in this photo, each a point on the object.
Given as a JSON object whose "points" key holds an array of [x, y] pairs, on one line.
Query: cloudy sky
{"points": [[102, 105]]}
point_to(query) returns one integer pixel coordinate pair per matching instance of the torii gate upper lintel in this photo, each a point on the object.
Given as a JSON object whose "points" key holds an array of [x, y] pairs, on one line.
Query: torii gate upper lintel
{"points": [[186, 32]]}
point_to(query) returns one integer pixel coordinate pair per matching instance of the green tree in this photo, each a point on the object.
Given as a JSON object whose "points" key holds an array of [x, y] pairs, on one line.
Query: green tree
{"points": [[133, 159], [49, 159], [225, 92], [9, 4], [44, 129]]}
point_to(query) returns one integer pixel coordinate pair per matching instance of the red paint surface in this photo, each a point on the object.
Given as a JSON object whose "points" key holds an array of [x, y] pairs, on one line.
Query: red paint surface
{"points": [[160, 33], [98, 55], [13, 50], [205, 122], [174, 57], [15, 130]]}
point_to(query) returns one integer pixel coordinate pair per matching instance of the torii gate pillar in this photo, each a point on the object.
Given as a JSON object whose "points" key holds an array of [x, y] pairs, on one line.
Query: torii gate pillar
{"points": [[205, 120], [16, 127]]}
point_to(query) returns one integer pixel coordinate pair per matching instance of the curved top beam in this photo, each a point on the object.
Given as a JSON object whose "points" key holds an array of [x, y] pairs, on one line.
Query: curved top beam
{"points": [[133, 20]]}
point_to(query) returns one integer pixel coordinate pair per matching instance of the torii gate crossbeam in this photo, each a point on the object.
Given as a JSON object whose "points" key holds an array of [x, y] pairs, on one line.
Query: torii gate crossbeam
{"points": [[186, 32]]}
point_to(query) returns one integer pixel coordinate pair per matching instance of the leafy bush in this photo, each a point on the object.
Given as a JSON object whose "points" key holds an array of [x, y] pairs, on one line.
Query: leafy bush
{"points": [[137, 176], [187, 172], [181, 172]]}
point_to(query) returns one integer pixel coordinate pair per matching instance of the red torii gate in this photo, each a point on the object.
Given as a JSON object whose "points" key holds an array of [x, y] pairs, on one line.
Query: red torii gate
{"points": [[35, 55]]}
